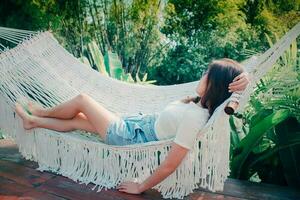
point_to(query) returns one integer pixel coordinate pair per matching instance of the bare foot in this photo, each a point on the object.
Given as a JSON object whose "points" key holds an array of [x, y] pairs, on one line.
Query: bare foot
{"points": [[28, 120], [35, 109]]}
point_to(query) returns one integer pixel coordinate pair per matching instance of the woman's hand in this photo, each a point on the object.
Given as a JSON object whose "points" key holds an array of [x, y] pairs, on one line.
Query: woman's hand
{"points": [[130, 187], [167, 167], [239, 83]]}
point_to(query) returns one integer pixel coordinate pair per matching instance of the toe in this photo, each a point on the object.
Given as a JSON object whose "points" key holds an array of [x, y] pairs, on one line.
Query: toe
{"points": [[19, 110], [18, 107]]}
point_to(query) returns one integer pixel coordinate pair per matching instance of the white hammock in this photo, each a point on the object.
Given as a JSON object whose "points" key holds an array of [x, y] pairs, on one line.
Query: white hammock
{"points": [[40, 69]]}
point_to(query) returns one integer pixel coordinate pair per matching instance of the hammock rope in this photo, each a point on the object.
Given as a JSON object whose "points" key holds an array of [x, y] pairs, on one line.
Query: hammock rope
{"points": [[39, 68]]}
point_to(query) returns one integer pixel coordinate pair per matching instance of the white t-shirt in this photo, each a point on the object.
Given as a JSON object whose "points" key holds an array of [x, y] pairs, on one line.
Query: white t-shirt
{"points": [[182, 122]]}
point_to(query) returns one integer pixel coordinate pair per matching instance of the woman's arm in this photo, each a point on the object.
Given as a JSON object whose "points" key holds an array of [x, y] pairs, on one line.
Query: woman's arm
{"points": [[240, 82], [168, 166]]}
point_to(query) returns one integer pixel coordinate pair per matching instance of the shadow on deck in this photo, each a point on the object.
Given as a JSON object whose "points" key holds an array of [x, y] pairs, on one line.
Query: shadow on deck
{"points": [[20, 180]]}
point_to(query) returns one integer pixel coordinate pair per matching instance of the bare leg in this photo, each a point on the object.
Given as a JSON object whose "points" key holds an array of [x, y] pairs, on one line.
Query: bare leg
{"points": [[65, 110], [63, 125], [97, 115]]}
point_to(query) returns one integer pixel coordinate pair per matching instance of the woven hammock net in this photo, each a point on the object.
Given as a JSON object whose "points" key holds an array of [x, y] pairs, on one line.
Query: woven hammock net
{"points": [[40, 69]]}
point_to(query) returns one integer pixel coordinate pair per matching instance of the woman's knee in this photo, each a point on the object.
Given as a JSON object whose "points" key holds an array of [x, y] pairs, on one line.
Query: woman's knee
{"points": [[85, 102], [82, 98]]}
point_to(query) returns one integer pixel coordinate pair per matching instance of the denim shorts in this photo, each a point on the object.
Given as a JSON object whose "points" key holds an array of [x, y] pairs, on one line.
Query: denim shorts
{"points": [[132, 129]]}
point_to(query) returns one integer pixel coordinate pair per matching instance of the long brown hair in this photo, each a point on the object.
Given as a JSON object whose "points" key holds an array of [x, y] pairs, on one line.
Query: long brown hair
{"points": [[220, 74]]}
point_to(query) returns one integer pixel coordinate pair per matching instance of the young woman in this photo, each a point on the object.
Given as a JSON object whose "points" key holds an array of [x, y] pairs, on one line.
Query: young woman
{"points": [[181, 119]]}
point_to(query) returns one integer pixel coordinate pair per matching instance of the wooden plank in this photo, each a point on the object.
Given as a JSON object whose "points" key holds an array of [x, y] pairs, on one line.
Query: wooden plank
{"points": [[68, 188], [10, 152], [250, 190], [17, 158], [9, 197], [208, 196], [15, 168], [40, 195], [23, 175], [11, 190], [9, 187]]}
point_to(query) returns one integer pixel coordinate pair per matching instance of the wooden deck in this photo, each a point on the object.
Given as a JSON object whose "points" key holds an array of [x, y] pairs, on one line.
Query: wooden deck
{"points": [[20, 180]]}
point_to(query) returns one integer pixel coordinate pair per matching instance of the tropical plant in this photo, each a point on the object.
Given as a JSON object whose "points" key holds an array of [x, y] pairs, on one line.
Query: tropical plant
{"points": [[266, 146], [109, 64]]}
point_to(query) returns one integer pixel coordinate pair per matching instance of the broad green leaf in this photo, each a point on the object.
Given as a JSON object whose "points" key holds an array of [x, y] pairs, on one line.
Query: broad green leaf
{"points": [[288, 133], [97, 57], [118, 73], [288, 147], [234, 132], [113, 65], [254, 137]]}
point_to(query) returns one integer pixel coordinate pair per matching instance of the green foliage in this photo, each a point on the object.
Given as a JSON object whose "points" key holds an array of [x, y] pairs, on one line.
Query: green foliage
{"points": [[289, 149], [154, 36], [265, 149], [23, 14], [113, 65], [273, 17], [109, 65], [130, 29], [97, 57], [215, 29], [181, 65], [256, 133]]}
